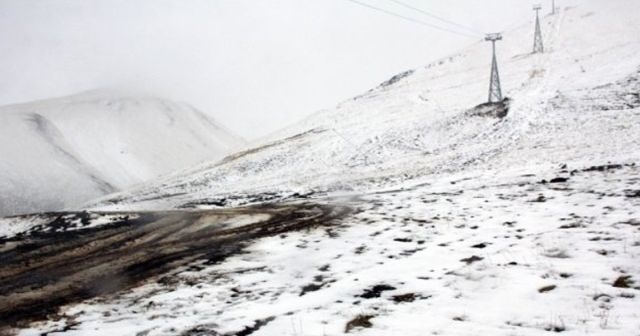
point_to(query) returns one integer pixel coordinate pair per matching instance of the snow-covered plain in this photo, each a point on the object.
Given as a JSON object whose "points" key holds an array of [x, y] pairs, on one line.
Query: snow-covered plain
{"points": [[464, 225], [63, 152]]}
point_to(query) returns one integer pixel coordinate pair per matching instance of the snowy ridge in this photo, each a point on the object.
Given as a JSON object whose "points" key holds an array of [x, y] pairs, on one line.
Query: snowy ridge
{"points": [[419, 124], [62, 152], [461, 225]]}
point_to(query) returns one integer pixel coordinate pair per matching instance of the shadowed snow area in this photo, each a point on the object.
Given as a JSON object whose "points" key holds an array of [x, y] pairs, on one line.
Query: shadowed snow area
{"points": [[60, 153], [461, 221]]}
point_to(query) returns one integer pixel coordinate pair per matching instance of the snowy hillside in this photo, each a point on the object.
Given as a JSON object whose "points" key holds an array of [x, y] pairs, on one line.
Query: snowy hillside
{"points": [[62, 152], [576, 103], [399, 212]]}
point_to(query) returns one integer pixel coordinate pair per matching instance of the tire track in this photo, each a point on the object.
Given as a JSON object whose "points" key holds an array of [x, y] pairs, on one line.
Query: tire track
{"points": [[43, 271]]}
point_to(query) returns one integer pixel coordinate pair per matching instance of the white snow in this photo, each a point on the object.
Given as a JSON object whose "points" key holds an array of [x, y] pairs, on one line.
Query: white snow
{"points": [[453, 216], [580, 239], [59, 153], [419, 125], [12, 226]]}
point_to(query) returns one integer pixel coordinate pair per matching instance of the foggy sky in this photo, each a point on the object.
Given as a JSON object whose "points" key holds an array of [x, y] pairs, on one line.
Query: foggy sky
{"points": [[253, 65]]}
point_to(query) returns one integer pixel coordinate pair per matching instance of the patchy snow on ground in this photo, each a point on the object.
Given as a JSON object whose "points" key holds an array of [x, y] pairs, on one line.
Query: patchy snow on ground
{"points": [[492, 253], [25, 225], [463, 225]]}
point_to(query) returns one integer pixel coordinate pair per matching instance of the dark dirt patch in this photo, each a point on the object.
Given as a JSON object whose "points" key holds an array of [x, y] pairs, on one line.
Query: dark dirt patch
{"points": [[603, 168], [409, 297], [623, 281], [546, 288], [360, 321], [632, 193], [471, 259], [312, 287], [251, 329], [539, 199], [202, 330], [491, 110], [555, 328], [375, 291], [48, 269], [571, 226], [396, 78]]}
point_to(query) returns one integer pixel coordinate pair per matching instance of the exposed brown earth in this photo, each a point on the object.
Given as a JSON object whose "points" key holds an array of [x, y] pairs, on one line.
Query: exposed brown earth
{"points": [[43, 271]]}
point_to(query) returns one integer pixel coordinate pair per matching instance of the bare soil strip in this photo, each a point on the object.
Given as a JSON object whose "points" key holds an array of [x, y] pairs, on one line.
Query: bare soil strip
{"points": [[45, 270]]}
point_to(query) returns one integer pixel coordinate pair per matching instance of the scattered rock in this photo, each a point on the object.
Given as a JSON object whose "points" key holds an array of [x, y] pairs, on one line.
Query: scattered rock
{"points": [[360, 321], [248, 330], [555, 328], [571, 226], [376, 291], [632, 193], [623, 281], [559, 180], [471, 259], [603, 168], [547, 289], [479, 246], [312, 287], [409, 297]]}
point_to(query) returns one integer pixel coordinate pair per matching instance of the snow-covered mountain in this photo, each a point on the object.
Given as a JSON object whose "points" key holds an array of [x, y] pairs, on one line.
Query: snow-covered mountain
{"points": [[577, 102], [62, 152], [460, 222]]}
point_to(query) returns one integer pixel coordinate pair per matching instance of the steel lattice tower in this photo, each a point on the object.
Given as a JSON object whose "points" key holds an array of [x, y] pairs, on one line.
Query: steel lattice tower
{"points": [[537, 41], [495, 92]]}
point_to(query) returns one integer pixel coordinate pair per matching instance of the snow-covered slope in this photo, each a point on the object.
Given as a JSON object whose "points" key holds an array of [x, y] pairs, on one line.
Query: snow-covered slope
{"points": [[577, 102], [62, 152], [462, 225]]}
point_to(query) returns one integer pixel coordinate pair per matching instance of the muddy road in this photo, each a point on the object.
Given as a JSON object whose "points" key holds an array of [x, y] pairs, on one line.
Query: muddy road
{"points": [[59, 264]]}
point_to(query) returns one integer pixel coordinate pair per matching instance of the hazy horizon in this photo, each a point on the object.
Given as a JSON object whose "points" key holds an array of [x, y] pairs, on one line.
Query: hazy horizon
{"points": [[254, 66]]}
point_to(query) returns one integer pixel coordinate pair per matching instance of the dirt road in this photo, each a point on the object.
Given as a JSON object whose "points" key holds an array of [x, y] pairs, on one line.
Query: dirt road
{"points": [[41, 271]]}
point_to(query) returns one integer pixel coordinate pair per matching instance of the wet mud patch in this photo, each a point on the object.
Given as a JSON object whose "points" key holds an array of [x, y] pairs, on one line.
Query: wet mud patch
{"points": [[45, 269]]}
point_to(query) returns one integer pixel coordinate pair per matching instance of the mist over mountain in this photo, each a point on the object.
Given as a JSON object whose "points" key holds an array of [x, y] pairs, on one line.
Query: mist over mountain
{"points": [[61, 152]]}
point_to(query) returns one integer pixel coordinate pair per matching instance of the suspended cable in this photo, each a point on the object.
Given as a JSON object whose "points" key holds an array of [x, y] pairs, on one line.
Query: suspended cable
{"points": [[441, 19], [412, 19]]}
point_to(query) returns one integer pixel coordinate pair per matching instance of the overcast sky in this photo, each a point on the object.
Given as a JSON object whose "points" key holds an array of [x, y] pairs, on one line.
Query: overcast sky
{"points": [[254, 65]]}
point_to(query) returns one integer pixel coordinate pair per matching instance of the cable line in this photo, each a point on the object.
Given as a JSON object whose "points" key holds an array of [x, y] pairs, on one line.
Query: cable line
{"points": [[412, 19], [441, 19]]}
